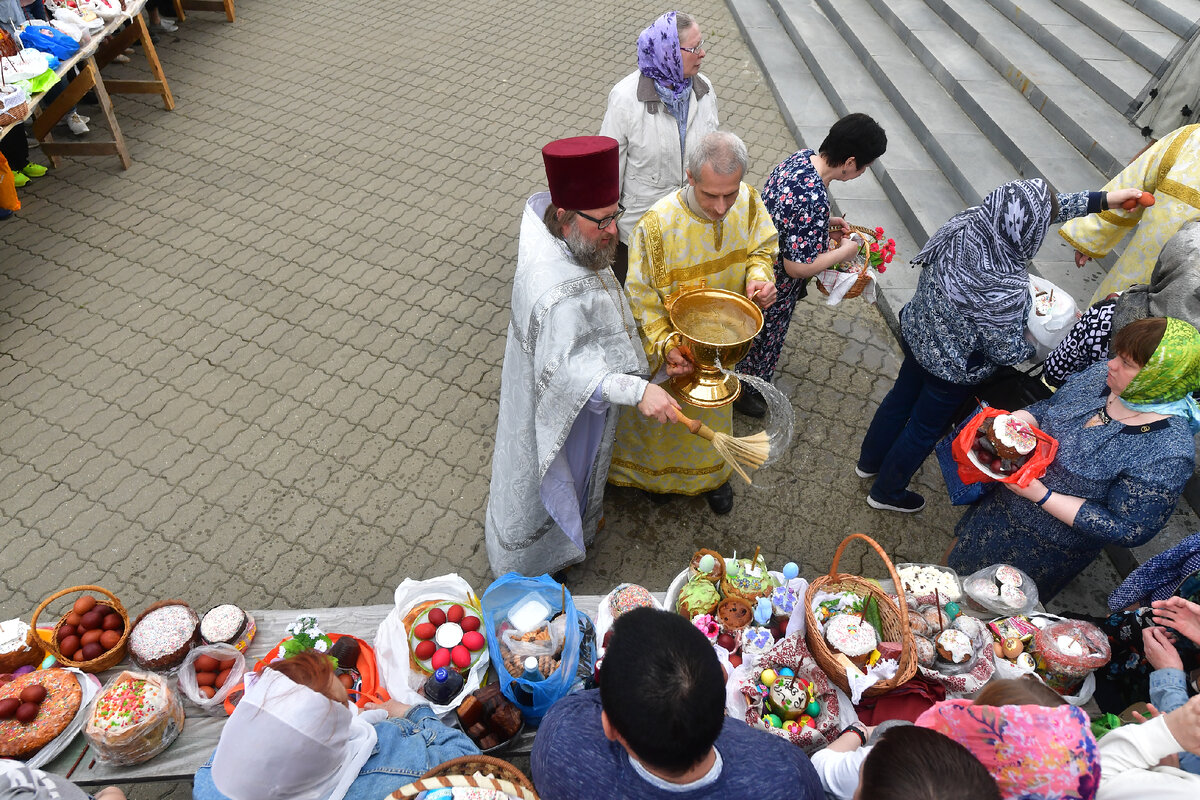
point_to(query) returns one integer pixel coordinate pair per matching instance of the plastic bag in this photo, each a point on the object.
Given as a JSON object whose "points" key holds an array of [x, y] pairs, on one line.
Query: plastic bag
{"points": [[187, 677], [27, 64], [1052, 312], [985, 591], [49, 40], [961, 494], [1034, 468], [544, 640], [396, 670], [133, 743], [1067, 653], [105, 9], [534, 698]]}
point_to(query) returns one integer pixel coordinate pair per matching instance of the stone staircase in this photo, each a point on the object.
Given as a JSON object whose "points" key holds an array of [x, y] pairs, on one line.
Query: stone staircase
{"points": [[972, 93]]}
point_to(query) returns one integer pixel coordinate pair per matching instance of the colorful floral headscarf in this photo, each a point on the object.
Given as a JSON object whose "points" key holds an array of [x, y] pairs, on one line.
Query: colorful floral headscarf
{"points": [[659, 57], [1033, 752]]}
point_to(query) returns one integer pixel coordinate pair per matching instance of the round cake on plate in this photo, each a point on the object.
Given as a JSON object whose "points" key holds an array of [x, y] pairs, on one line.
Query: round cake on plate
{"points": [[54, 713]]}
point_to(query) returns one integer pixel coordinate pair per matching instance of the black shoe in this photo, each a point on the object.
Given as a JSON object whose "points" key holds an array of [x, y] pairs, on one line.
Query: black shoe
{"points": [[659, 498], [910, 503], [720, 499], [750, 403]]}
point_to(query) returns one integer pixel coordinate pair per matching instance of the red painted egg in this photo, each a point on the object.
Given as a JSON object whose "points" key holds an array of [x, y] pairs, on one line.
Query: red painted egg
{"points": [[461, 656], [69, 645], [473, 640], [8, 707], [440, 659], [65, 631], [455, 613], [425, 630], [424, 649], [27, 712], [470, 623], [437, 616], [34, 693]]}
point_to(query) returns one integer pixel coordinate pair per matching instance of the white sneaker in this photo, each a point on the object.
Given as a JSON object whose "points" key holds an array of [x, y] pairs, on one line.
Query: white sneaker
{"points": [[167, 25], [77, 125]]}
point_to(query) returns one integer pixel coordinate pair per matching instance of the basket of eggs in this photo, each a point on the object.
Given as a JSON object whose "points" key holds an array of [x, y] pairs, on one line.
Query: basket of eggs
{"points": [[92, 635]]}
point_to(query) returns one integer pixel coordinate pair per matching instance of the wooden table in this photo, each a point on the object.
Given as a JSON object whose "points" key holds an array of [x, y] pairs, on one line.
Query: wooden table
{"points": [[90, 60], [217, 6], [195, 744]]}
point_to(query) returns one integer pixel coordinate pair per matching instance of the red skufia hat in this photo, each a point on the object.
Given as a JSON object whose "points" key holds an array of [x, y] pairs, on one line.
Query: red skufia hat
{"points": [[583, 172]]}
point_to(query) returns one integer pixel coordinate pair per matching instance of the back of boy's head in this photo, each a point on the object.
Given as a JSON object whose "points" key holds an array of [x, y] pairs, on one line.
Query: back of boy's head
{"points": [[1024, 691], [662, 689], [913, 762]]}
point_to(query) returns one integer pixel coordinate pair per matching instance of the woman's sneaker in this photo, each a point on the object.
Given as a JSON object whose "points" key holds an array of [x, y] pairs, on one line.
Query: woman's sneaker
{"points": [[77, 124], [908, 504]]}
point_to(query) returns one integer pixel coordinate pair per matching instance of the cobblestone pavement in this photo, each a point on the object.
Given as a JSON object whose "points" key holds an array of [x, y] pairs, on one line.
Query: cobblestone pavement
{"points": [[261, 366]]}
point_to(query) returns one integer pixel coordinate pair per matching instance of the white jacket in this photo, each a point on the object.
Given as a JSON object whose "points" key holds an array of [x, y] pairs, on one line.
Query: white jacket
{"points": [[651, 165]]}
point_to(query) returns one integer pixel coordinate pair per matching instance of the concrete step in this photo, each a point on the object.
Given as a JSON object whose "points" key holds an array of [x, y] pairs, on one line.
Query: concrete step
{"points": [[1178, 16], [809, 113], [959, 149], [1137, 35], [1089, 123], [1096, 61]]}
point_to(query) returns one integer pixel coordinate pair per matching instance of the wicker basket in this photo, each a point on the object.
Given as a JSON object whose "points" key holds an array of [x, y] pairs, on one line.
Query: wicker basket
{"points": [[863, 278], [104, 661], [459, 772], [426, 784], [894, 618]]}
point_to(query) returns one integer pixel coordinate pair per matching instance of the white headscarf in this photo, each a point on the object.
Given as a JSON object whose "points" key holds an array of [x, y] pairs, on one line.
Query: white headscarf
{"points": [[286, 742]]}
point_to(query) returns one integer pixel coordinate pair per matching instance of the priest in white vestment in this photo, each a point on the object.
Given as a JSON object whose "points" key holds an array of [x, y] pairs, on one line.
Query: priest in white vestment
{"points": [[573, 354]]}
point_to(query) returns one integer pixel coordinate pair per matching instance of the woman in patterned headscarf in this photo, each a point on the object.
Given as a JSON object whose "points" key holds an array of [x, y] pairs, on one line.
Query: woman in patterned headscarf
{"points": [[966, 319], [1125, 450], [658, 114]]}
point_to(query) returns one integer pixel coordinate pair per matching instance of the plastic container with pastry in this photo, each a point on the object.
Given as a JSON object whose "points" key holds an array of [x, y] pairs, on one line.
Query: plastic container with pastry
{"points": [[134, 718], [34, 709], [19, 646], [163, 635]]}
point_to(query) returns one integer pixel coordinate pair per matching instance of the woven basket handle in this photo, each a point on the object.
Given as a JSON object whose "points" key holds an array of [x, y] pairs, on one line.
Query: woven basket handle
{"points": [[370, 696], [887, 562], [425, 784], [116, 604]]}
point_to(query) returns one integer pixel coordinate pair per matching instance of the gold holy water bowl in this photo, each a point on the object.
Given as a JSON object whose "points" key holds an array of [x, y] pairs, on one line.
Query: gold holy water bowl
{"points": [[713, 326]]}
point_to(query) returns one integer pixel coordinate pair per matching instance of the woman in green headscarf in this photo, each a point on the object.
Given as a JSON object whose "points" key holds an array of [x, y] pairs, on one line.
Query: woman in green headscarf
{"points": [[1125, 431]]}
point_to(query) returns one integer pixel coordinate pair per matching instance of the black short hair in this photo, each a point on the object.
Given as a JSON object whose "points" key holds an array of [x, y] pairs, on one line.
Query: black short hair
{"points": [[909, 761], [855, 135], [662, 689]]}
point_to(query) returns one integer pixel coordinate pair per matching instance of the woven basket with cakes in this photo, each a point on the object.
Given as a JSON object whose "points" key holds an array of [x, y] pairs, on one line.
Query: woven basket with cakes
{"points": [[893, 621], [92, 635]]}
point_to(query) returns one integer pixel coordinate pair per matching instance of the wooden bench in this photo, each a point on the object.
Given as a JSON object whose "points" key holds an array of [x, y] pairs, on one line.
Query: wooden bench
{"points": [[195, 744]]}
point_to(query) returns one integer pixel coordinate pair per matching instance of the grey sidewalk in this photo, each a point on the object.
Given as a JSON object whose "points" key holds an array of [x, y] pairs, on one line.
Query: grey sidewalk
{"points": [[261, 366]]}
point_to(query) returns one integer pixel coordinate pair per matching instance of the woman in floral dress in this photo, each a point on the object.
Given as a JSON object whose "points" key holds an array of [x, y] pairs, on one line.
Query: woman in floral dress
{"points": [[797, 197]]}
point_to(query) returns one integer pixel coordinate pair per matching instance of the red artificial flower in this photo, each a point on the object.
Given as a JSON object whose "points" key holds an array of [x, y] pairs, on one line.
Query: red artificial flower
{"points": [[891, 243], [879, 232]]}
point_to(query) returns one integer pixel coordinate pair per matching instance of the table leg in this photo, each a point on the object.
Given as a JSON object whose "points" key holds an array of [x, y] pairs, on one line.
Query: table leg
{"points": [[179, 11], [216, 6], [88, 78], [137, 31]]}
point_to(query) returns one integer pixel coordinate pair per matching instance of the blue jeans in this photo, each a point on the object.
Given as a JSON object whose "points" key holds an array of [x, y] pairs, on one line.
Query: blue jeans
{"points": [[907, 426]]}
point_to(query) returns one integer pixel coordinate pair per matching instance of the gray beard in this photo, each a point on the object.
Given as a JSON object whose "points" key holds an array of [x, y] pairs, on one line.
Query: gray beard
{"points": [[589, 254]]}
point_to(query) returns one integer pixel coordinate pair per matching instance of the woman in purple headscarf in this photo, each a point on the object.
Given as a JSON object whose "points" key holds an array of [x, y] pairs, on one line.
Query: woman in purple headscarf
{"points": [[657, 115]]}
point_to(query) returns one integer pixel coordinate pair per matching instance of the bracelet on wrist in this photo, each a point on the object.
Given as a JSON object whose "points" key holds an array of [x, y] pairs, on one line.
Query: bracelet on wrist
{"points": [[862, 736], [1045, 497]]}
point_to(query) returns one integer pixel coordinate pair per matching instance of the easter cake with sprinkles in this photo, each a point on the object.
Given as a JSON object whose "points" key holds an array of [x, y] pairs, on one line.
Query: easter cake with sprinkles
{"points": [[42, 704], [135, 717]]}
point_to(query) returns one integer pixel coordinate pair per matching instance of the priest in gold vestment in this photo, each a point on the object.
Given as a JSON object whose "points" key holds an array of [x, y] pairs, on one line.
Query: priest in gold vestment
{"points": [[717, 230], [1170, 169]]}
